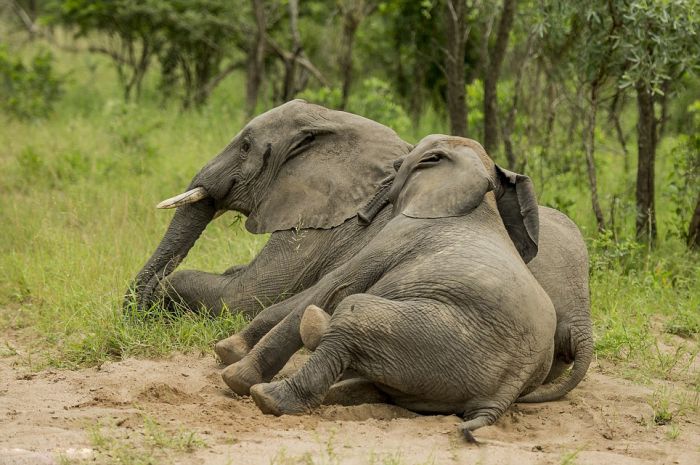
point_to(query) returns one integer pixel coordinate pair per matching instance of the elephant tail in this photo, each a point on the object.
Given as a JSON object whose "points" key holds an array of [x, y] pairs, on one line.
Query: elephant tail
{"points": [[583, 355]]}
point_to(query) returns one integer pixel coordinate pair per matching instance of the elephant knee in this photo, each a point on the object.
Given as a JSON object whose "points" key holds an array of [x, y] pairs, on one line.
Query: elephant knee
{"points": [[314, 324]]}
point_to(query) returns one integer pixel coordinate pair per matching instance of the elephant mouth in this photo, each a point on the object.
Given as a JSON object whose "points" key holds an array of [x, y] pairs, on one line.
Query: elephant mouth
{"points": [[230, 200]]}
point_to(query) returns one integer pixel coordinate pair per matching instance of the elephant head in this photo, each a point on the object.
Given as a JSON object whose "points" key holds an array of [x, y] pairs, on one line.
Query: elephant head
{"points": [[298, 165], [449, 176]]}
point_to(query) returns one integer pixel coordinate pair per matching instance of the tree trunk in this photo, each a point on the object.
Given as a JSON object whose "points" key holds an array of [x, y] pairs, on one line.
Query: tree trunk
{"points": [[256, 55], [694, 228], [646, 152], [616, 107], [454, 66], [589, 146], [350, 23], [492, 72], [290, 66], [509, 124]]}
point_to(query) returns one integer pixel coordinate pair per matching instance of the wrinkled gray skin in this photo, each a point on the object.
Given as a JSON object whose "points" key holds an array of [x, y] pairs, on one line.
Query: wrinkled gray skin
{"points": [[560, 266], [298, 171], [306, 192], [439, 310]]}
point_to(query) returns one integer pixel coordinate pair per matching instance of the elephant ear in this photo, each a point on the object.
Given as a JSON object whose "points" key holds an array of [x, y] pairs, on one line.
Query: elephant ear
{"points": [[442, 190], [328, 183], [518, 207]]}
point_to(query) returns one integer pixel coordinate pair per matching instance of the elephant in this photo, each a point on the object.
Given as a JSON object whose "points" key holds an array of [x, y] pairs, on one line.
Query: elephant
{"points": [[298, 171], [439, 310], [301, 172], [559, 263]]}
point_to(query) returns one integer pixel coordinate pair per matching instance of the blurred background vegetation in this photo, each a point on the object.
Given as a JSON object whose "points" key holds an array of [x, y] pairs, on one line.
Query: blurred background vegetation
{"points": [[110, 106]]}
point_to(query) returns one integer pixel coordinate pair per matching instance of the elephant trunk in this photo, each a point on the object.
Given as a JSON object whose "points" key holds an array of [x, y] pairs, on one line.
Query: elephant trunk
{"points": [[366, 214], [187, 225], [583, 355]]}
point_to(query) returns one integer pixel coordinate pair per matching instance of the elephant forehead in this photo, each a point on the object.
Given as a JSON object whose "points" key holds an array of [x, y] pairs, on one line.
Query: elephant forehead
{"points": [[451, 143]]}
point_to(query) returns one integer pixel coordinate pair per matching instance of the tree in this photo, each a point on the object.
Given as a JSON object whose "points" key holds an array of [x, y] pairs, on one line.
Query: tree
{"points": [[455, 40], [694, 227], [493, 59], [129, 31], [658, 42], [192, 39], [643, 45], [198, 39], [402, 46], [255, 68], [352, 13]]}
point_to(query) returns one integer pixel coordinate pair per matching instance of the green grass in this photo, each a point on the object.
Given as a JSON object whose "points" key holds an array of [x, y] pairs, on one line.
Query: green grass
{"points": [[77, 222], [641, 299]]}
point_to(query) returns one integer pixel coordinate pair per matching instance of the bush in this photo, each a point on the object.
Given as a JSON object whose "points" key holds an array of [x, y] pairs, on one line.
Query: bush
{"points": [[375, 100], [325, 96], [683, 184], [28, 91]]}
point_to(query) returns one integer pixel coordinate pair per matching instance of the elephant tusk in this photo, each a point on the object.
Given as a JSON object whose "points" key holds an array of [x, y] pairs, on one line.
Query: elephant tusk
{"points": [[191, 196]]}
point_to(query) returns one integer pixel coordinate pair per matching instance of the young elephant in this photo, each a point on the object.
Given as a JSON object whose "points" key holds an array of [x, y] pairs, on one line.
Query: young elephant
{"points": [[438, 311]]}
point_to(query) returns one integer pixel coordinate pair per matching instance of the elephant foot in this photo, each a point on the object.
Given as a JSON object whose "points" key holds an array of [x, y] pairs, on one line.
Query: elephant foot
{"points": [[314, 324], [240, 376], [355, 391], [277, 399], [231, 350]]}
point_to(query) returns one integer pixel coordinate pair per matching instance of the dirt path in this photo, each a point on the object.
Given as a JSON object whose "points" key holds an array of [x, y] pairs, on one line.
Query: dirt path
{"points": [[179, 411]]}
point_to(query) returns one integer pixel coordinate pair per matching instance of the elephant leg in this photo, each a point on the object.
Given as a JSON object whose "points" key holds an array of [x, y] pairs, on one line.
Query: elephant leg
{"points": [[235, 270], [355, 391], [314, 324], [196, 290], [235, 347], [267, 358], [308, 387]]}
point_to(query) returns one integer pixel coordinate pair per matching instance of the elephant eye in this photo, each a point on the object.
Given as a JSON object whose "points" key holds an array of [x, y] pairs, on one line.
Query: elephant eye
{"points": [[246, 146]]}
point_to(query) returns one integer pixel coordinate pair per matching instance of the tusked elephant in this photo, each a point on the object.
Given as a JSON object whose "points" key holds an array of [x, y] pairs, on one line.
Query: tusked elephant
{"points": [[439, 311], [298, 171], [301, 172]]}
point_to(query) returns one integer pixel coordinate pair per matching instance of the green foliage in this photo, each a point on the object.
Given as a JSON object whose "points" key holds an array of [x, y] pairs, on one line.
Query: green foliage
{"points": [[642, 41], [189, 38], [325, 96], [375, 100], [28, 91], [683, 184], [637, 294], [659, 40], [610, 254], [197, 36]]}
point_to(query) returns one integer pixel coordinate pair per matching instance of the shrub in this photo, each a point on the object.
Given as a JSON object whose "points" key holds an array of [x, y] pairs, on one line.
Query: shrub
{"points": [[28, 91]]}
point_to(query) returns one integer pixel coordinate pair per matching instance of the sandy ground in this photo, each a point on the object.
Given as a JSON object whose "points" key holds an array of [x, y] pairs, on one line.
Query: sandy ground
{"points": [[47, 417]]}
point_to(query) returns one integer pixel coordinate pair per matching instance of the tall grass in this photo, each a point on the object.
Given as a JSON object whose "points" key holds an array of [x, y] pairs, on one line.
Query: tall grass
{"points": [[77, 221]]}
